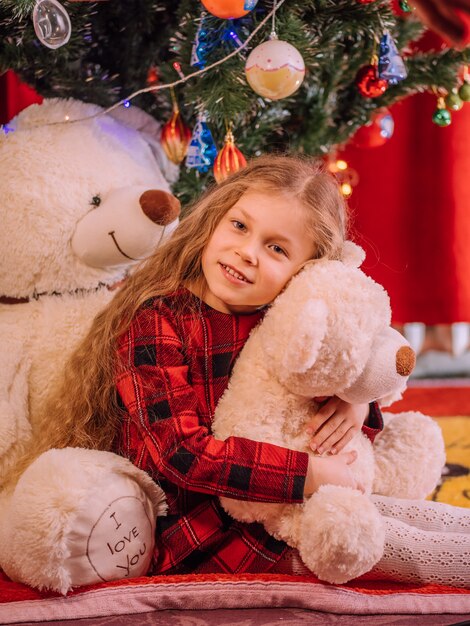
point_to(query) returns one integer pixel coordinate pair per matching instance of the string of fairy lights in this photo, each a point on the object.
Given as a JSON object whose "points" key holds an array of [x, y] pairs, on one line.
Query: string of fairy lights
{"points": [[274, 70], [182, 78]]}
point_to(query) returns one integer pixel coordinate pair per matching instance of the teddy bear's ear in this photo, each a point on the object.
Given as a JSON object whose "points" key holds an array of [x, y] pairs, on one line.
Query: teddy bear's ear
{"points": [[291, 335], [352, 254]]}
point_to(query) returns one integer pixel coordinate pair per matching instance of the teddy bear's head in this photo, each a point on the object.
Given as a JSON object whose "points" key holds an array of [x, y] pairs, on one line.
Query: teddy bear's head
{"points": [[329, 333], [83, 198]]}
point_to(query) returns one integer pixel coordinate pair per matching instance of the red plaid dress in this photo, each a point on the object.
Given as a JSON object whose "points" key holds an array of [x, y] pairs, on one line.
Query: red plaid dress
{"points": [[178, 355]]}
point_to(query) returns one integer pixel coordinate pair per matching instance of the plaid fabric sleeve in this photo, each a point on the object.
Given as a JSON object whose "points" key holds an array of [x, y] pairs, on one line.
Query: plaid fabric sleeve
{"points": [[375, 422], [166, 434]]}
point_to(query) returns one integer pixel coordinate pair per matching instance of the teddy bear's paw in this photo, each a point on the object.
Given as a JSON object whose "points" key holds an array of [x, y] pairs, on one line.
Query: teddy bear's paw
{"points": [[342, 534], [409, 456], [79, 517]]}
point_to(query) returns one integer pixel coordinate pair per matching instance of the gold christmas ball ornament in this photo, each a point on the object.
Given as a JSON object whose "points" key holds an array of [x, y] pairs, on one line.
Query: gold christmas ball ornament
{"points": [[275, 69]]}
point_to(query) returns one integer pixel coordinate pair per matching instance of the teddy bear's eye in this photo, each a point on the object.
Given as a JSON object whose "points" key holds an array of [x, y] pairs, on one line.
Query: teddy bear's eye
{"points": [[96, 200]]}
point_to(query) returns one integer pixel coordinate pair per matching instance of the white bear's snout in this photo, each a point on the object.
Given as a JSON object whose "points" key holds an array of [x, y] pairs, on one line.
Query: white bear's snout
{"points": [[127, 226]]}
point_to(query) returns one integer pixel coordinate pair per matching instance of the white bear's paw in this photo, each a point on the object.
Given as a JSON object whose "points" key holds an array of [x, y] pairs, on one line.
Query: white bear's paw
{"points": [[79, 517], [342, 534], [409, 456]]}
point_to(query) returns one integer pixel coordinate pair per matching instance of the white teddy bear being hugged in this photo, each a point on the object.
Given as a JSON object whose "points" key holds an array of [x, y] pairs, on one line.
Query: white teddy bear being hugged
{"points": [[83, 199], [329, 334]]}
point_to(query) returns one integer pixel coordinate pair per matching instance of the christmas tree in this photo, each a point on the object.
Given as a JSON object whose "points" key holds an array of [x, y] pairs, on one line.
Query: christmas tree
{"points": [[118, 48]]}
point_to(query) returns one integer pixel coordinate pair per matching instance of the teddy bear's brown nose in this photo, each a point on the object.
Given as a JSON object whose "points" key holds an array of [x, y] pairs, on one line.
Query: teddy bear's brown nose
{"points": [[159, 206], [405, 361]]}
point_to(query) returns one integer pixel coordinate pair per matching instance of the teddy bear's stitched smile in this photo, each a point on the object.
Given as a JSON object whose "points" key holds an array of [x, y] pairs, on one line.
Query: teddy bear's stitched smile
{"points": [[111, 233]]}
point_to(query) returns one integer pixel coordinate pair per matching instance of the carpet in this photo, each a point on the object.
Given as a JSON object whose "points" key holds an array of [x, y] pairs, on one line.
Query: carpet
{"points": [[267, 599], [436, 397]]}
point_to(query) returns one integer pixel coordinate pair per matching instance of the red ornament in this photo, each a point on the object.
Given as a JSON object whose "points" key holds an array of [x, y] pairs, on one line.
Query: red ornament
{"points": [[377, 132], [152, 76], [175, 137], [369, 83], [229, 160]]}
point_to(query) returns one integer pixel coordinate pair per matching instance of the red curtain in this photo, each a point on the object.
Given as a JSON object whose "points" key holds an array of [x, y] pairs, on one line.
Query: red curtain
{"points": [[411, 212], [411, 207]]}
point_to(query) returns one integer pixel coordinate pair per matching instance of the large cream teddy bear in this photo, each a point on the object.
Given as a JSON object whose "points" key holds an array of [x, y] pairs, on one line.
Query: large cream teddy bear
{"points": [[83, 199], [329, 334]]}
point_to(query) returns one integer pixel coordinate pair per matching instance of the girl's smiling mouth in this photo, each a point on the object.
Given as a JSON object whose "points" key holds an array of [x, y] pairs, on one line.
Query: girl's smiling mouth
{"points": [[233, 275]]}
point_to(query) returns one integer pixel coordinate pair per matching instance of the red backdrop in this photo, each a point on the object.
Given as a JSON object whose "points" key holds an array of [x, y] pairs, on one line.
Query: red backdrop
{"points": [[411, 213], [411, 208]]}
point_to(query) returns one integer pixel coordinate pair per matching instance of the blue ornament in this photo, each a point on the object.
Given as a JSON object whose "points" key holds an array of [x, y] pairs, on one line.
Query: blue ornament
{"points": [[201, 47], [202, 150], [207, 39], [391, 65]]}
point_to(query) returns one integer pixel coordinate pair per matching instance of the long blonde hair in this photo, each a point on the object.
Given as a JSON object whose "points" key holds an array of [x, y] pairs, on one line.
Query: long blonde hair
{"points": [[83, 411]]}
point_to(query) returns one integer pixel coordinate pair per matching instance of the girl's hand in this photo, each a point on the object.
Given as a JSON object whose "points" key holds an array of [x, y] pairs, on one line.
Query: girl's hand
{"points": [[335, 424], [331, 470]]}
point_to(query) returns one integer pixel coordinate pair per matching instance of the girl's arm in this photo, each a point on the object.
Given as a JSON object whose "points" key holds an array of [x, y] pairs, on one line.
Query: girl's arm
{"points": [[163, 431]]}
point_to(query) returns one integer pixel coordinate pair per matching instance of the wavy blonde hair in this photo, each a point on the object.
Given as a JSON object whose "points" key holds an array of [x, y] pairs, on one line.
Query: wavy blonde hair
{"points": [[83, 411]]}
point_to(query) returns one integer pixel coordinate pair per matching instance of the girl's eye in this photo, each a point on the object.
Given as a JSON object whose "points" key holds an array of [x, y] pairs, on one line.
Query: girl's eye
{"points": [[278, 250], [238, 225]]}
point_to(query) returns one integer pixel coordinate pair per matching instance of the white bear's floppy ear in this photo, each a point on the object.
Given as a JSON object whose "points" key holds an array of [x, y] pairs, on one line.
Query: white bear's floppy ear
{"points": [[291, 335], [352, 254]]}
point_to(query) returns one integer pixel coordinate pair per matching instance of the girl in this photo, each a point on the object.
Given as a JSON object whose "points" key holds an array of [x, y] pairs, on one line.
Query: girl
{"points": [[146, 380]]}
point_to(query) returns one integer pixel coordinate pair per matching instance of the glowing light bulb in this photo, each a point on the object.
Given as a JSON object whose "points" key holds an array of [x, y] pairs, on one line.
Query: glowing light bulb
{"points": [[177, 68]]}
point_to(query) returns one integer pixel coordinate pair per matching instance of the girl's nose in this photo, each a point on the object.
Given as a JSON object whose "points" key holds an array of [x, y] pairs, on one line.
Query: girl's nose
{"points": [[248, 253]]}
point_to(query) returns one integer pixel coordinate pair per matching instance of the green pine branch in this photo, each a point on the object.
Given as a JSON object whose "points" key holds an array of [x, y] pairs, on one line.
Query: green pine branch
{"points": [[113, 45]]}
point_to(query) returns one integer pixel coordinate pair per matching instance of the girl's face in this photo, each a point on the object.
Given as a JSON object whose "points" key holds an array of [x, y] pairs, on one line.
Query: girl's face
{"points": [[259, 244]]}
